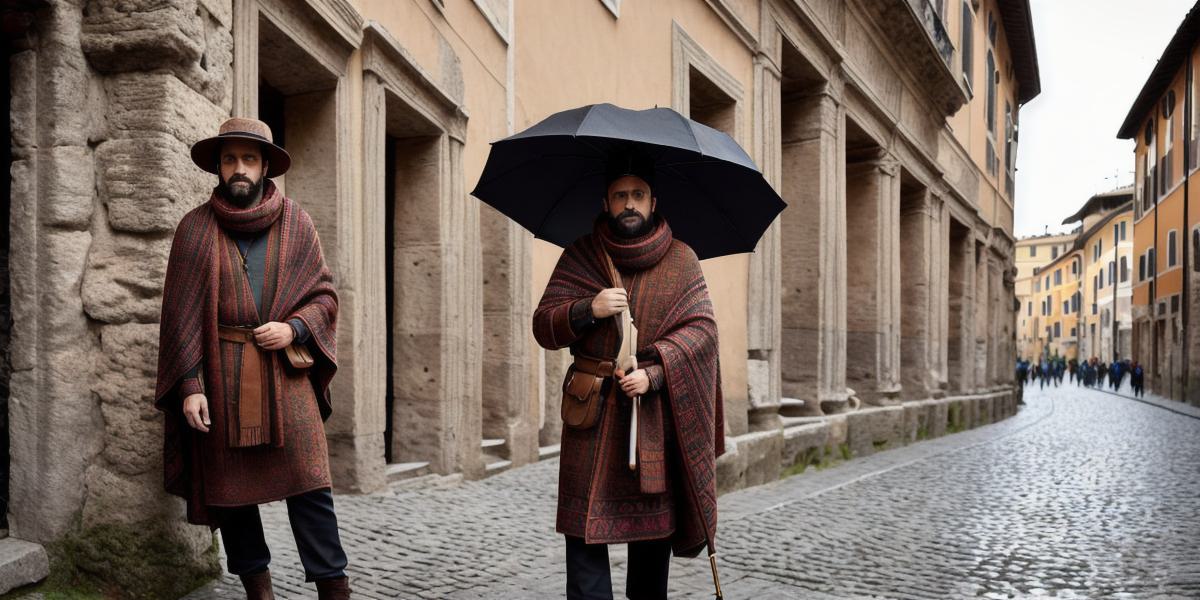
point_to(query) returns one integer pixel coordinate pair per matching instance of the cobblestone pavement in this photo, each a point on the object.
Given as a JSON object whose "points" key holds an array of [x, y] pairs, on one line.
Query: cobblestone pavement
{"points": [[1083, 494]]}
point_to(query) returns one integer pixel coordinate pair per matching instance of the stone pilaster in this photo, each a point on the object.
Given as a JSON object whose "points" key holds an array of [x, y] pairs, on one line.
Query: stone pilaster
{"points": [[813, 247], [872, 272], [918, 262], [764, 311]]}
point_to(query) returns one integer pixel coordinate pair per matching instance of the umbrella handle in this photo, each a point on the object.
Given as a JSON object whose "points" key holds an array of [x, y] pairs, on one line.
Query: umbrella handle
{"points": [[633, 433], [712, 562]]}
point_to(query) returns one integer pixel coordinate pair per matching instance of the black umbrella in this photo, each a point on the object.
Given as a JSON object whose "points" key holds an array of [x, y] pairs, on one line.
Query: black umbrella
{"points": [[550, 178]]}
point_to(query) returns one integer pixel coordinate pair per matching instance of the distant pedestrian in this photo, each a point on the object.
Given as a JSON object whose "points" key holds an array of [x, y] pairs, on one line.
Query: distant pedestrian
{"points": [[1115, 374], [1073, 369], [1137, 379]]}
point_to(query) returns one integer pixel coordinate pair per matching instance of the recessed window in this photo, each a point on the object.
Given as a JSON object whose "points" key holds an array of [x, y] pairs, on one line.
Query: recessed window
{"points": [[1172, 256], [1196, 249]]}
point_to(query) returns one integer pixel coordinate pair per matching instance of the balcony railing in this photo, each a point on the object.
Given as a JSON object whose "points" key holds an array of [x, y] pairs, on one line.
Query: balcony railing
{"points": [[935, 28]]}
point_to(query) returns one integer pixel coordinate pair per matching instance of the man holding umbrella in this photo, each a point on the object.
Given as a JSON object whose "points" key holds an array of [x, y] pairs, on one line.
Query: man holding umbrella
{"points": [[601, 499], [637, 198]]}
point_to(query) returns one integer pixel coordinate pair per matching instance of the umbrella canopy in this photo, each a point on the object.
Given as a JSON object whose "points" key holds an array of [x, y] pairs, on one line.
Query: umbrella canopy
{"points": [[551, 179]]}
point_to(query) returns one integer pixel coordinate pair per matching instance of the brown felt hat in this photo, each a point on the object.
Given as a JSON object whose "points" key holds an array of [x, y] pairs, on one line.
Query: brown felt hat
{"points": [[204, 152]]}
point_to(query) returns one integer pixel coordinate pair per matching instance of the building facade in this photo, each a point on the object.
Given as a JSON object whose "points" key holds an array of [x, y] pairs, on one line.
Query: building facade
{"points": [[1163, 124], [1031, 255], [882, 296], [1080, 303], [1052, 313]]}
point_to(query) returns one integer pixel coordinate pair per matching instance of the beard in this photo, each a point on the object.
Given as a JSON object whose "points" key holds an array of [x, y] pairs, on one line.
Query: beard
{"points": [[241, 196], [625, 225]]}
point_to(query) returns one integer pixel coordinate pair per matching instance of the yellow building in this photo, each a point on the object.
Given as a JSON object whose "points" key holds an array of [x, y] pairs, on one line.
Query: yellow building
{"points": [[1052, 311], [1031, 255], [1166, 231]]}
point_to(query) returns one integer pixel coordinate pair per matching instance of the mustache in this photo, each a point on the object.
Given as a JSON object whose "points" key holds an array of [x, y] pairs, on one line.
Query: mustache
{"points": [[239, 178], [629, 212]]}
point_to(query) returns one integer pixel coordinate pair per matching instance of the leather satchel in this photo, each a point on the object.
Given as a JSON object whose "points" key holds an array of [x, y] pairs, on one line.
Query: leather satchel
{"points": [[584, 383], [299, 356]]}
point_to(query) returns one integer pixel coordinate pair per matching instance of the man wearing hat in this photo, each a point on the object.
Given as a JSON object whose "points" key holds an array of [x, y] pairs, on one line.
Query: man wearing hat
{"points": [[659, 498], [247, 348]]}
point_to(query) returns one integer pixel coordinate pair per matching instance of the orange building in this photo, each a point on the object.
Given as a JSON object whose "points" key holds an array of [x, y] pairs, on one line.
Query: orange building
{"points": [[1163, 124]]}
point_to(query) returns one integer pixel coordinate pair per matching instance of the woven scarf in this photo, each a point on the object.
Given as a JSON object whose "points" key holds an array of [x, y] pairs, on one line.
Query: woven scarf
{"points": [[636, 253], [248, 220]]}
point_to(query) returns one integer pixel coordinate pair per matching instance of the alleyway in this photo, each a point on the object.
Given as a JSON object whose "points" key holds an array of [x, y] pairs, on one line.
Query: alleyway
{"points": [[1081, 495]]}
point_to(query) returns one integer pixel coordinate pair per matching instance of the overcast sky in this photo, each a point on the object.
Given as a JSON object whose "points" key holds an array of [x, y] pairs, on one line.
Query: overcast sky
{"points": [[1094, 56]]}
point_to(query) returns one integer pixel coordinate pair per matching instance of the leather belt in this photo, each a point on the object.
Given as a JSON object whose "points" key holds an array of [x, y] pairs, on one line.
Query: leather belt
{"points": [[253, 410], [594, 366]]}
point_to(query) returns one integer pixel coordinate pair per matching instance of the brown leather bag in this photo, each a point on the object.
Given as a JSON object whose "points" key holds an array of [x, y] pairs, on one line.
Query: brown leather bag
{"points": [[582, 401], [299, 356]]}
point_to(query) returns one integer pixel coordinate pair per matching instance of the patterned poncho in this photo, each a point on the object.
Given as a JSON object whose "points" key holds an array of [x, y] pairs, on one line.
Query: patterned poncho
{"points": [[206, 285], [681, 429]]}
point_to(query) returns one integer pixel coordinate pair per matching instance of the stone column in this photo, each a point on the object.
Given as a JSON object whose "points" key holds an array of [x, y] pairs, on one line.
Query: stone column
{"points": [[960, 334], [813, 253], [982, 325], [917, 266], [763, 331], [872, 277], [939, 243], [510, 408]]}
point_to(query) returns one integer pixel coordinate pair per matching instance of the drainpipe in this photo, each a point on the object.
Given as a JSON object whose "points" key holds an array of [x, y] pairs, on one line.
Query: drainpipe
{"points": [[1154, 246], [1187, 234]]}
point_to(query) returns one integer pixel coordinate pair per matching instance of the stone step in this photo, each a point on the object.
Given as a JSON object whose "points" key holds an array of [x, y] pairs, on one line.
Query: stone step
{"points": [[495, 465], [791, 407], [549, 451], [493, 443], [401, 471], [21, 563]]}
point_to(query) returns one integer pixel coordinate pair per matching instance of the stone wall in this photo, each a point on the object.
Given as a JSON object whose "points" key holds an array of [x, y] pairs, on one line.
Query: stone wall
{"points": [[106, 103]]}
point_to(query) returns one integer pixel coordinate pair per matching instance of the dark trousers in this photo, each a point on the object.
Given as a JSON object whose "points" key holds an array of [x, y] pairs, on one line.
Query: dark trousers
{"points": [[314, 525], [588, 576]]}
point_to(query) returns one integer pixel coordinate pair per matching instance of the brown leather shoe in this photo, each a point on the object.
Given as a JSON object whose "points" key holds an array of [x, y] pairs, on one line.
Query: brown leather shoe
{"points": [[333, 589], [258, 586]]}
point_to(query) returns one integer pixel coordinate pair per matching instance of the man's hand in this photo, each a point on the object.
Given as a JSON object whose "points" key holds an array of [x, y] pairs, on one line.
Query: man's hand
{"points": [[609, 302], [634, 384], [274, 336], [195, 410]]}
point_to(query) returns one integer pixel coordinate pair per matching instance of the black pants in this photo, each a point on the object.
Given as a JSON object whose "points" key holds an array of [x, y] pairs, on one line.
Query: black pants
{"points": [[314, 525], [588, 576]]}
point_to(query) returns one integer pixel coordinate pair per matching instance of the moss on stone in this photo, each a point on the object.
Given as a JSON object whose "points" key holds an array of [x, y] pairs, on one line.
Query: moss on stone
{"points": [[954, 418], [844, 449], [811, 457], [140, 562]]}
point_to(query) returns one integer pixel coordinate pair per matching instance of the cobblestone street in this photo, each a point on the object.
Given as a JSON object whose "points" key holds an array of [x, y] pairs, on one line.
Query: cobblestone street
{"points": [[1082, 495]]}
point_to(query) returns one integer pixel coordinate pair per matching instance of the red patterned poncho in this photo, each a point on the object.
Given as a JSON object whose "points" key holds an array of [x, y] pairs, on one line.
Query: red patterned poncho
{"points": [[206, 286], [681, 428]]}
